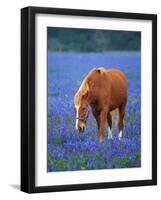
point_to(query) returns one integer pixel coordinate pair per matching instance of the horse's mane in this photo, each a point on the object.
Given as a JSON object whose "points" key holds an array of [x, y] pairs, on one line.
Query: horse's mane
{"points": [[83, 89]]}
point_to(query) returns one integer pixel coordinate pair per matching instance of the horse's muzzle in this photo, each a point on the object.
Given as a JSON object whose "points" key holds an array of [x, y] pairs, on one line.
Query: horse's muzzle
{"points": [[81, 129]]}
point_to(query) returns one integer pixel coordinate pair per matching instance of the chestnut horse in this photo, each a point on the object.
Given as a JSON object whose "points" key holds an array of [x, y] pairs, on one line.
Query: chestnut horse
{"points": [[105, 91]]}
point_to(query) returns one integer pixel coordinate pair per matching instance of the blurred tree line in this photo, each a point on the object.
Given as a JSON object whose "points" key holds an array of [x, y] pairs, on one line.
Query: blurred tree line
{"points": [[92, 40]]}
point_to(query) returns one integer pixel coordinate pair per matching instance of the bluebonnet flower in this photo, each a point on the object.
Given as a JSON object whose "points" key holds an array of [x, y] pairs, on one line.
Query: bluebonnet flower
{"points": [[68, 150]]}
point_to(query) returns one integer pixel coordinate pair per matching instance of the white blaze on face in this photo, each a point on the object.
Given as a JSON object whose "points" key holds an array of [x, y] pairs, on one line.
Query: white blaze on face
{"points": [[77, 115]]}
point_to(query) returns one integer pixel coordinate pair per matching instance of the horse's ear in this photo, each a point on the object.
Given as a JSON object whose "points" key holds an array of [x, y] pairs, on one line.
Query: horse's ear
{"points": [[100, 70]]}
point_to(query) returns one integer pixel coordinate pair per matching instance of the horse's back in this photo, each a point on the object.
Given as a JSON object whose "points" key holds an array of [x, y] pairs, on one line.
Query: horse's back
{"points": [[117, 78], [108, 85], [108, 77], [118, 87]]}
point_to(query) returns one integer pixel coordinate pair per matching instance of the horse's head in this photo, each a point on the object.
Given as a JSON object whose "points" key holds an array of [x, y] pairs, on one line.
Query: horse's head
{"points": [[81, 110]]}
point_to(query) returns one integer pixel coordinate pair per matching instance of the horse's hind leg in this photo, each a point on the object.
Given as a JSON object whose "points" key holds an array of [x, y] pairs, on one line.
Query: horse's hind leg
{"points": [[109, 120], [121, 119]]}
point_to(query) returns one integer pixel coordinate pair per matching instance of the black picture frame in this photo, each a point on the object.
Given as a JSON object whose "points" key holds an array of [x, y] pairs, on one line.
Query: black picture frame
{"points": [[28, 98]]}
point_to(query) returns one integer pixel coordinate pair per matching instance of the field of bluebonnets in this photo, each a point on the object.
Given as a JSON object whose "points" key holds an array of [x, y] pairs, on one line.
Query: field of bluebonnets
{"points": [[68, 150]]}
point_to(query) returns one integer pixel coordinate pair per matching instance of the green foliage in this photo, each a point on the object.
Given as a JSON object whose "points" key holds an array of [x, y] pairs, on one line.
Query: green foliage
{"points": [[58, 141], [127, 161], [138, 156], [122, 162], [61, 164], [91, 40], [99, 161], [80, 162]]}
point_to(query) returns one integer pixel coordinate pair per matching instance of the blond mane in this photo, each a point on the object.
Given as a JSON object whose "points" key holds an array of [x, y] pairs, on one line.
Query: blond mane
{"points": [[84, 87]]}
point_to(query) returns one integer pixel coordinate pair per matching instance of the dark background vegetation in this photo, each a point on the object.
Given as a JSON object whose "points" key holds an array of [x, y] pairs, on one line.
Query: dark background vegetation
{"points": [[92, 40]]}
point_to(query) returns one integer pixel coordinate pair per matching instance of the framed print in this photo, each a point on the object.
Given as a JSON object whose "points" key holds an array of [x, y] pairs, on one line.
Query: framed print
{"points": [[88, 99]]}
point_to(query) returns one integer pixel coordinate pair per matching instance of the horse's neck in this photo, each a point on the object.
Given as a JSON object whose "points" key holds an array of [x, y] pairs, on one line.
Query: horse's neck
{"points": [[82, 92], [83, 88]]}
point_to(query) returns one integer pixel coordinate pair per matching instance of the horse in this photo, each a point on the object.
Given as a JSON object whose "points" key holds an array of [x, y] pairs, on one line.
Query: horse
{"points": [[105, 91]]}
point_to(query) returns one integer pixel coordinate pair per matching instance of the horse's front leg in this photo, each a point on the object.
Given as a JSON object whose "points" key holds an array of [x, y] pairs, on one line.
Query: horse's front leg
{"points": [[102, 123]]}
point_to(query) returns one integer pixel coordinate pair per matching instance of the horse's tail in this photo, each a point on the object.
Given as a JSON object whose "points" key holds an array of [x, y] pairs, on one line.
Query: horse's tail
{"points": [[115, 117]]}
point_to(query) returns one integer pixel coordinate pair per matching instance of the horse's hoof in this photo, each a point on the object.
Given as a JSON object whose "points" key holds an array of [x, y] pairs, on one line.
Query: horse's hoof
{"points": [[120, 138]]}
